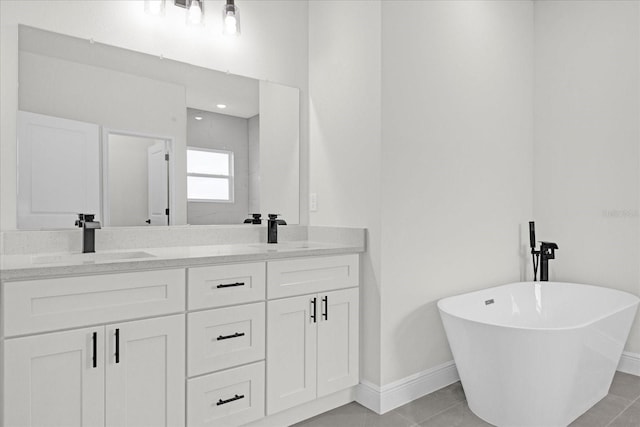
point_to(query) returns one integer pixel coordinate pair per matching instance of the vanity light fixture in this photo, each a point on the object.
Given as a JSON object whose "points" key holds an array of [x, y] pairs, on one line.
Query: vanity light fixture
{"points": [[221, 106], [154, 7], [195, 12], [198, 117], [230, 19]]}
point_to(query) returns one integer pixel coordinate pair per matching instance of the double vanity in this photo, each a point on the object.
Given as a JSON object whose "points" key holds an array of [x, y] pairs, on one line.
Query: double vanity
{"points": [[197, 325], [203, 335]]}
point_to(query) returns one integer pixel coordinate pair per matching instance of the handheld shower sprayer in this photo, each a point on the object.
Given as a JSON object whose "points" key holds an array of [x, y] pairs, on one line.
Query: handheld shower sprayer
{"points": [[532, 235], [535, 255]]}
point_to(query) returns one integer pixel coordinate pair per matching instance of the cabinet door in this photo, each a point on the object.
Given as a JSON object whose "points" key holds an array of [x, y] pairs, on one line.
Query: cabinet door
{"points": [[291, 352], [51, 380], [145, 378], [337, 341]]}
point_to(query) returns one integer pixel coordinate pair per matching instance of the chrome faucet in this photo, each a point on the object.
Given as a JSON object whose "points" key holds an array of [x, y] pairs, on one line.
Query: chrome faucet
{"points": [[89, 227]]}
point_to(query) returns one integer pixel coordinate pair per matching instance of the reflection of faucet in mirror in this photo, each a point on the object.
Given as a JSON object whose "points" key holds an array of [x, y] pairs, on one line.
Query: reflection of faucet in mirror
{"points": [[89, 227], [255, 220]]}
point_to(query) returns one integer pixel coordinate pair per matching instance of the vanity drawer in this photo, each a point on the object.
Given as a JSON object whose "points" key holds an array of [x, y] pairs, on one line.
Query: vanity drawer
{"points": [[228, 398], [300, 276], [50, 304], [225, 337], [221, 285]]}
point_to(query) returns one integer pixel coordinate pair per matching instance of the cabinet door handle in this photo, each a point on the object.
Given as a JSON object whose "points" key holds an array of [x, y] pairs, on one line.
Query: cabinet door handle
{"points": [[313, 309], [236, 397], [325, 300], [117, 345], [230, 285], [226, 337], [94, 339]]}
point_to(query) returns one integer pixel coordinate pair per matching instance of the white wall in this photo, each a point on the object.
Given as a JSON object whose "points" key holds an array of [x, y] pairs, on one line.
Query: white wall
{"points": [[344, 87], [587, 137], [421, 130], [273, 46], [448, 188], [457, 164]]}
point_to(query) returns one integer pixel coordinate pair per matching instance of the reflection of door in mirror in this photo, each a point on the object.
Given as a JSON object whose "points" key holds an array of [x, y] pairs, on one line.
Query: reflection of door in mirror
{"points": [[158, 184], [58, 171], [136, 180]]}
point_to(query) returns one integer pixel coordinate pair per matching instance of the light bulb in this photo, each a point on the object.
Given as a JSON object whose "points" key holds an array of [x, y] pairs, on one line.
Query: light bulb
{"points": [[230, 19], [154, 7], [195, 13], [230, 24]]}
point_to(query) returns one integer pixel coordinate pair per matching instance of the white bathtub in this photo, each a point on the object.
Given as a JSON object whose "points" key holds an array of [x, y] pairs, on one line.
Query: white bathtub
{"points": [[537, 354]]}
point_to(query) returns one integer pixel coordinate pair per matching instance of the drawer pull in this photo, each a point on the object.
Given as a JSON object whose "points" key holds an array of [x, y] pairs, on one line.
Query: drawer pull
{"points": [[226, 337], [94, 359], [236, 397], [117, 345], [230, 285]]}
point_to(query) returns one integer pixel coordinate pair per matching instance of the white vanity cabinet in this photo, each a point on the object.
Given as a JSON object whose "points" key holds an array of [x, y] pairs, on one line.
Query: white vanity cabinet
{"points": [[312, 339], [215, 345], [129, 373]]}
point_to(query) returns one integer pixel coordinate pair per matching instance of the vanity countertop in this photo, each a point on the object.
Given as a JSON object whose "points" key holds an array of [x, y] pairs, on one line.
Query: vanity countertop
{"points": [[44, 265]]}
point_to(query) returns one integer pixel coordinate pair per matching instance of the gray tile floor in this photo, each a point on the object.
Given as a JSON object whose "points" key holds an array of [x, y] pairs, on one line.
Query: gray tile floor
{"points": [[448, 408]]}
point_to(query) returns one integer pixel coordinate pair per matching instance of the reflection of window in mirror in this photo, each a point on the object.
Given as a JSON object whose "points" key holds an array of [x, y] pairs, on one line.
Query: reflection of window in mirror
{"points": [[209, 175]]}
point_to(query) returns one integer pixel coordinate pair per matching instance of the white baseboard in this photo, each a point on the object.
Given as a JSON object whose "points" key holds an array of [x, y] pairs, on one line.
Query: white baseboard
{"points": [[629, 363], [388, 397]]}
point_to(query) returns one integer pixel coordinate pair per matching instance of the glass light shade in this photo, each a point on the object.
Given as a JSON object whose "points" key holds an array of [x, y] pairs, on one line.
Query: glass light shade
{"points": [[154, 7], [230, 19], [195, 13]]}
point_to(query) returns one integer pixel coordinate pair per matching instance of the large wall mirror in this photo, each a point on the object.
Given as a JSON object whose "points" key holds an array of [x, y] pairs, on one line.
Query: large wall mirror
{"points": [[163, 142]]}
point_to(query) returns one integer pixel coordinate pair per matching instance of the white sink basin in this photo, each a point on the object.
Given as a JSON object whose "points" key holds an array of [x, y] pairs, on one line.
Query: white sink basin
{"points": [[88, 258]]}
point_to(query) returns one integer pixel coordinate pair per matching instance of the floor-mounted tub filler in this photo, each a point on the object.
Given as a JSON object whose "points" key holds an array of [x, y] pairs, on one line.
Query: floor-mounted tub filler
{"points": [[537, 354]]}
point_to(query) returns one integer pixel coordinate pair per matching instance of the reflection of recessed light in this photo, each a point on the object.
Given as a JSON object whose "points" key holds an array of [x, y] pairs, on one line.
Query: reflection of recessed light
{"points": [[198, 117], [221, 106]]}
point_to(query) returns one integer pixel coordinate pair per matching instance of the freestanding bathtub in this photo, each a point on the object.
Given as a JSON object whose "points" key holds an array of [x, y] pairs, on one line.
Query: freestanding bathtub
{"points": [[536, 354]]}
